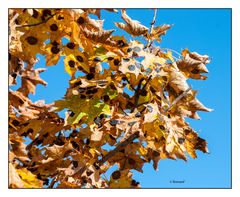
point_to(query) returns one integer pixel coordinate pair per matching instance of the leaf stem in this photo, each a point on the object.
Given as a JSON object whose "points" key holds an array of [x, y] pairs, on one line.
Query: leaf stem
{"points": [[137, 92], [35, 24]]}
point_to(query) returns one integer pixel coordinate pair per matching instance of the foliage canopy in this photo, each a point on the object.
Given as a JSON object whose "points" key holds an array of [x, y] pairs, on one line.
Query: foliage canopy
{"points": [[148, 125]]}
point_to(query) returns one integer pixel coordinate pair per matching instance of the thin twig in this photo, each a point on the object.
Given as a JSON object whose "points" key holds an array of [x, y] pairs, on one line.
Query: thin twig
{"points": [[152, 25], [146, 82], [53, 182], [154, 20], [35, 24], [172, 51], [123, 110], [179, 98], [130, 83], [119, 147], [110, 154], [137, 92]]}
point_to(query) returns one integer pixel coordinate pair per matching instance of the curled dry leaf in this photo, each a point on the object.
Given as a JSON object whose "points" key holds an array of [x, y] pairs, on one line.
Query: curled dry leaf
{"points": [[194, 142], [133, 27], [157, 32], [14, 179], [178, 81], [100, 36], [193, 64], [30, 78]]}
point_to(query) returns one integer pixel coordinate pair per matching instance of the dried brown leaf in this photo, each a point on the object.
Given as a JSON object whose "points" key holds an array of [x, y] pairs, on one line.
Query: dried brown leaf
{"points": [[133, 27]]}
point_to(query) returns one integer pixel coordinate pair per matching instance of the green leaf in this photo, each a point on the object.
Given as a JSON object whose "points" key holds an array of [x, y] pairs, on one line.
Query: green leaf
{"points": [[111, 93], [89, 108]]}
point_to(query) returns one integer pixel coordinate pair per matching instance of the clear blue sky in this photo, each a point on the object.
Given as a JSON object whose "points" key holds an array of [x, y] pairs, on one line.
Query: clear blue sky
{"points": [[206, 31]]}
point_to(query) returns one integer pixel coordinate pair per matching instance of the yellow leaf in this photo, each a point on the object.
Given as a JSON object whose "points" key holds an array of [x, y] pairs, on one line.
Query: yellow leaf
{"points": [[69, 64], [14, 180], [29, 179], [124, 181]]}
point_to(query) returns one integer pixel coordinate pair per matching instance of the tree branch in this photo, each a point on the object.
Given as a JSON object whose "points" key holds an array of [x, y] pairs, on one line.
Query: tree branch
{"points": [[54, 180], [152, 25], [146, 82], [120, 147], [110, 154], [129, 83], [136, 95], [138, 90], [154, 20]]}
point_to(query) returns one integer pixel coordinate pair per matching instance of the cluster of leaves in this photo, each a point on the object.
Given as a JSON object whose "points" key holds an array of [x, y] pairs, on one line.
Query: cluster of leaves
{"points": [[147, 125]]}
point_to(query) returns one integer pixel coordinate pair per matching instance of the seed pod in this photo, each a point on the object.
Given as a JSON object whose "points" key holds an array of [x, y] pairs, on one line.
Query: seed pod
{"points": [[15, 122], [46, 12], [131, 161], [116, 174], [97, 59], [80, 20], [54, 43], [106, 98], [116, 62], [126, 59], [134, 183], [71, 63], [96, 165], [30, 130], [156, 154], [82, 96], [32, 40], [60, 17], [121, 43], [90, 76], [181, 140], [89, 172], [78, 83], [75, 164], [75, 145], [35, 13], [55, 50], [53, 27], [162, 127], [129, 50], [143, 92], [70, 45], [110, 58]]}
